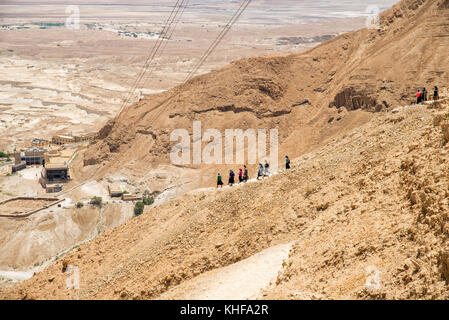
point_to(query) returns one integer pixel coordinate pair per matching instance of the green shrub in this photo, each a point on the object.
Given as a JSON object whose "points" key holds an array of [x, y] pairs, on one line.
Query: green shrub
{"points": [[148, 201], [138, 209], [3, 155], [79, 205], [97, 201]]}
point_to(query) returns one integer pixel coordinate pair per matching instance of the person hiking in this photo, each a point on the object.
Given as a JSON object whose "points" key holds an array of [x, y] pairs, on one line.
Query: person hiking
{"points": [[260, 171], [424, 94], [245, 174], [287, 163], [219, 181], [436, 95], [418, 97], [267, 169], [231, 178], [240, 175]]}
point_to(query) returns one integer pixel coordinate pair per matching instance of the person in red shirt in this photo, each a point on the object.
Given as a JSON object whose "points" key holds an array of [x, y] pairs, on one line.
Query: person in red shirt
{"points": [[418, 97]]}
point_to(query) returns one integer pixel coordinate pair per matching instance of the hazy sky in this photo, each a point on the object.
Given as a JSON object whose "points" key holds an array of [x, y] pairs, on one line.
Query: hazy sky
{"points": [[260, 11], [357, 5]]}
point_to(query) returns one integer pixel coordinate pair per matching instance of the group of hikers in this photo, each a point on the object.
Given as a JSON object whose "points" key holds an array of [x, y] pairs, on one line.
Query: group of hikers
{"points": [[264, 171], [422, 95]]}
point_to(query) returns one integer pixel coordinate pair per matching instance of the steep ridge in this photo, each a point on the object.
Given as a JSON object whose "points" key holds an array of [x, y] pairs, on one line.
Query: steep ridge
{"points": [[374, 200], [373, 196], [306, 96]]}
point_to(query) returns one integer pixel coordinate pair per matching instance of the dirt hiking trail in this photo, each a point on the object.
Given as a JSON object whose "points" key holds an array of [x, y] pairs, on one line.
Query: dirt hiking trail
{"points": [[240, 281]]}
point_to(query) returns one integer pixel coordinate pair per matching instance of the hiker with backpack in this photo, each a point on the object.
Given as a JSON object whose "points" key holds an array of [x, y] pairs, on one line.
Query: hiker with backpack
{"points": [[240, 175], [231, 178], [219, 181], [287, 163]]}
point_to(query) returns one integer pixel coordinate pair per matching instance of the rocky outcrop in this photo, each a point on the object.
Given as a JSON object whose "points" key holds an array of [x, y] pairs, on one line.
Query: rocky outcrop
{"points": [[261, 114], [352, 100], [106, 130], [301, 40]]}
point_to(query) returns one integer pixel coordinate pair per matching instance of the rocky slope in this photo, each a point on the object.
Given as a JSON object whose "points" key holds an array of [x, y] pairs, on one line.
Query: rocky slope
{"points": [[374, 199], [299, 94], [365, 205]]}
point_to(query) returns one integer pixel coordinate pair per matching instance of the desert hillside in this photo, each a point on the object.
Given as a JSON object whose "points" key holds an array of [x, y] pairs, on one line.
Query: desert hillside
{"points": [[306, 96], [373, 199], [362, 214]]}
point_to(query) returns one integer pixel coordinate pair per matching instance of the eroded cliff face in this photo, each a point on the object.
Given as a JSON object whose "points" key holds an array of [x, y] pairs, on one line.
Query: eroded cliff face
{"points": [[404, 54], [352, 100]]}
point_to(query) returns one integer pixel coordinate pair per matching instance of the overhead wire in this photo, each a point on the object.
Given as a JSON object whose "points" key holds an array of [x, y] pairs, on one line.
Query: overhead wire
{"points": [[184, 5], [165, 30], [243, 6], [172, 18], [219, 38]]}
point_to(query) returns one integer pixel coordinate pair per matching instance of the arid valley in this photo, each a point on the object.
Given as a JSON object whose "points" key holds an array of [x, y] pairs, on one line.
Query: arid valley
{"points": [[59, 80]]}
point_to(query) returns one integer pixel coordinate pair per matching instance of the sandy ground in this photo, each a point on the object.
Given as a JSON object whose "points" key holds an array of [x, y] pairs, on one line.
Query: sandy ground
{"points": [[22, 206], [71, 82], [31, 173], [353, 206], [371, 202], [16, 185], [32, 242], [243, 280], [16, 275], [93, 188], [39, 238]]}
